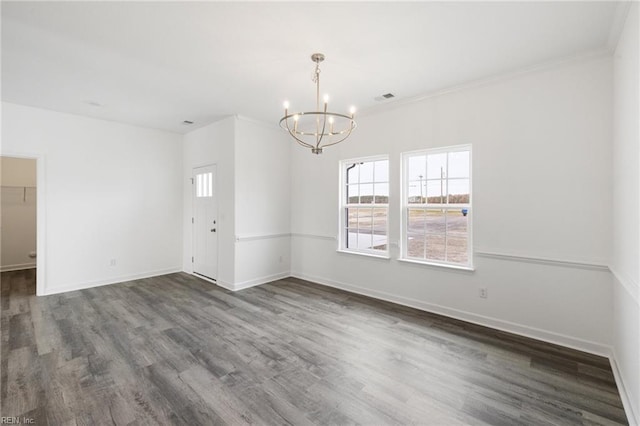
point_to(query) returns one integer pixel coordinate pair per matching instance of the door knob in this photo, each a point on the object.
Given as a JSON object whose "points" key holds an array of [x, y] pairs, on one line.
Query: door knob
{"points": [[213, 230]]}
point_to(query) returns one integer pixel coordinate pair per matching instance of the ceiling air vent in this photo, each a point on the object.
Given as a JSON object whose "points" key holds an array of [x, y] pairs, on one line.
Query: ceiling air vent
{"points": [[385, 97], [187, 122]]}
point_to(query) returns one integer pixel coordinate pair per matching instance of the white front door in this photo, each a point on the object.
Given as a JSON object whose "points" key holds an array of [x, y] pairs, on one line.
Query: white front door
{"points": [[205, 222]]}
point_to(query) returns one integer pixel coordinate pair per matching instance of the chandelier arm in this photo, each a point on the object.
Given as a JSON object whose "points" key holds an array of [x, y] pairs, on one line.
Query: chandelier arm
{"points": [[301, 142], [334, 114], [351, 127], [284, 121], [338, 141], [324, 127]]}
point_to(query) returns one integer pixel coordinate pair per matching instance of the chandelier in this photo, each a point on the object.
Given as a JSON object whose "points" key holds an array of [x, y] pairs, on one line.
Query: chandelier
{"points": [[320, 128]]}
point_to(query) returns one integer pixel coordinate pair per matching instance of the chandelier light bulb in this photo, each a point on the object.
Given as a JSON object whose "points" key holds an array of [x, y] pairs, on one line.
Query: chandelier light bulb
{"points": [[352, 110], [326, 99], [286, 104]]}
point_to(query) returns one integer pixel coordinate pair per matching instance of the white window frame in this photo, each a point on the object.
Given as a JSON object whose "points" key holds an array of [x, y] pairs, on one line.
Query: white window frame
{"points": [[343, 205], [405, 208]]}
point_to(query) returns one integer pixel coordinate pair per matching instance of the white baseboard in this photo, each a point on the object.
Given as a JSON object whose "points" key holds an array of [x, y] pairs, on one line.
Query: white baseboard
{"points": [[253, 282], [225, 285], [632, 417], [18, 267], [115, 280], [495, 323]]}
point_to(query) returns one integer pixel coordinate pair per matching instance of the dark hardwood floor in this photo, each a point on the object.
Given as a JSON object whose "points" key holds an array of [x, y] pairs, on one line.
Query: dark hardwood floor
{"points": [[178, 350]]}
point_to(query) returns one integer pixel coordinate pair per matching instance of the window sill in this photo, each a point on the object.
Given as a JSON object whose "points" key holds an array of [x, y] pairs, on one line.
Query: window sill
{"points": [[365, 254], [439, 265]]}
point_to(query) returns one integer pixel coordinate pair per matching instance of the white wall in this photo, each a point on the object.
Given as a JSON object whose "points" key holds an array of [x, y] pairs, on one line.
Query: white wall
{"points": [[263, 203], [253, 199], [212, 144], [625, 262], [542, 191], [17, 213], [112, 192]]}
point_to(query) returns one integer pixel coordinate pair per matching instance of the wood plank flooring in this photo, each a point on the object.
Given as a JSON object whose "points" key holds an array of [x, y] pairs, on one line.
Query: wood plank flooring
{"points": [[179, 350]]}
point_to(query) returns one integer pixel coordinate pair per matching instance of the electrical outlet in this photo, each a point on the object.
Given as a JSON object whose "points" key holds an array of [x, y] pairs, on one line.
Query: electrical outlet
{"points": [[483, 293], [112, 262]]}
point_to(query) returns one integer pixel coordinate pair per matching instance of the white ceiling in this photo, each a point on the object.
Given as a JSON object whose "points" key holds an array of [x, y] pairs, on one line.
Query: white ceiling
{"points": [[156, 64]]}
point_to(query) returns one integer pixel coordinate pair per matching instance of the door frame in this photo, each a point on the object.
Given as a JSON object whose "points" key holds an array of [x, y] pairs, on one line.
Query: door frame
{"points": [[41, 214], [193, 215]]}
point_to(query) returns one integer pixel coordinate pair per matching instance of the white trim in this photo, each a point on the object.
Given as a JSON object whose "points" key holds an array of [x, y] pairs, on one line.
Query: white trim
{"points": [[627, 283], [195, 126], [437, 265], [17, 267], [468, 85], [343, 203], [439, 150], [114, 280], [368, 158], [632, 417], [495, 323], [313, 236], [41, 231], [253, 282], [243, 238], [224, 284], [41, 217], [543, 261], [364, 253], [261, 280], [495, 79], [505, 257]]}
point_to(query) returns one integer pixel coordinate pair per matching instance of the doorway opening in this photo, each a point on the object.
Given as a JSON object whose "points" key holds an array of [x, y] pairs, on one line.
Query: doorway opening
{"points": [[18, 223]]}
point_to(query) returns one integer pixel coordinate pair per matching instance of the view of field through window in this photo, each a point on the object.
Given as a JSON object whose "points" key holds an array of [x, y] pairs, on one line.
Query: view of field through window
{"points": [[437, 206], [366, 205]]}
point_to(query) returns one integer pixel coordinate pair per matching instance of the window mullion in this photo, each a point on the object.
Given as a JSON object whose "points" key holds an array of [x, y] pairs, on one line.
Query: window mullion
{"points": [[446, 224], [424, 234]]}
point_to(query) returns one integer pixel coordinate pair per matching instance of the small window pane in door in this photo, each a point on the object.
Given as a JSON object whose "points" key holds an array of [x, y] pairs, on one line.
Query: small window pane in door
{"points": [[204, 185], [199, 185]]}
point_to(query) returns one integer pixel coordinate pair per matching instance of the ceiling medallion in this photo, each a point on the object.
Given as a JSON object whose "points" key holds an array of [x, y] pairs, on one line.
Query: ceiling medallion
{"points": [[320, 128]]}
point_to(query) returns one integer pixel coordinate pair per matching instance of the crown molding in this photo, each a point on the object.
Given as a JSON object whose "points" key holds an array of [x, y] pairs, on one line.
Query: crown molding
{"points": [[593, 55]]}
